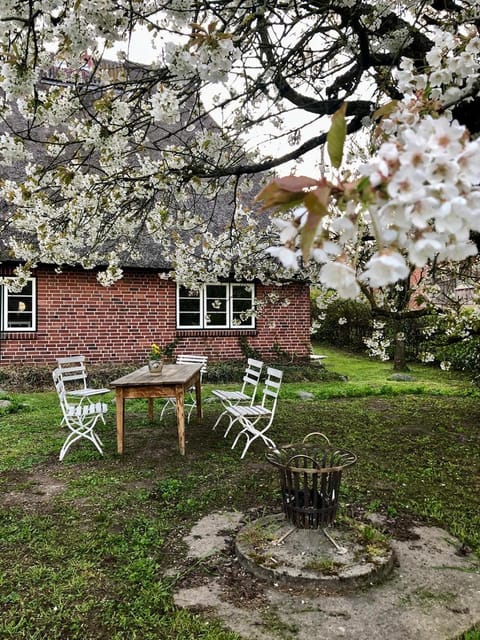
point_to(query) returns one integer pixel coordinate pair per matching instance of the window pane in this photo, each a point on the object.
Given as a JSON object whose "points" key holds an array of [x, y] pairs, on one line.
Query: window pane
{"points": [[190, 319], [243, 319], [190, 304], [216, 319], [242, 305], [216, 291], [244, 291], [216, 305], [189, 308]]}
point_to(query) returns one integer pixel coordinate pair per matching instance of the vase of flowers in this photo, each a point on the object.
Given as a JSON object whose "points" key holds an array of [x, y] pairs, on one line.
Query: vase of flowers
{"points": [[155, 362]]}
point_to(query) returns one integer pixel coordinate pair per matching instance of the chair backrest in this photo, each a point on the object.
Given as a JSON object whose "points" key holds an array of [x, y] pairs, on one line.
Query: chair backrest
{"points": [[271, 388], [252, 376], [60, 389], [73, 369], [192, 359]]}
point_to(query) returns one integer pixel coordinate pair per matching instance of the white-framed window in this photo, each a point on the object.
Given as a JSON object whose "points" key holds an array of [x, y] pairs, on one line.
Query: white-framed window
{"points": [[216, 306], [19, 309]]}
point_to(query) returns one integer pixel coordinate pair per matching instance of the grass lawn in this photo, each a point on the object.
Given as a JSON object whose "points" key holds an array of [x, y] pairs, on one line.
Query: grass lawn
{"points": [[92, 548]]}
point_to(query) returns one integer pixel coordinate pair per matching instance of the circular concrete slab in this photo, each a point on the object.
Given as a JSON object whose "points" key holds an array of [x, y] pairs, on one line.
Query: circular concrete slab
{"points": [[339, 558], [433, 593]]}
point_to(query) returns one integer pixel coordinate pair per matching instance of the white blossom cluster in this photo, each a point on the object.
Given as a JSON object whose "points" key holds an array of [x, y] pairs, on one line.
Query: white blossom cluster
{"points": [[427, 197], [211, 61], [240, 251], [377, 344], [423, 198], [165, 106], [454, 68]]}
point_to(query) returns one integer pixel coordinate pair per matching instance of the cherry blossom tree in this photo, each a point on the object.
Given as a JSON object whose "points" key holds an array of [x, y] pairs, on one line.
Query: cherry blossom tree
{"points": [[237, 89]]}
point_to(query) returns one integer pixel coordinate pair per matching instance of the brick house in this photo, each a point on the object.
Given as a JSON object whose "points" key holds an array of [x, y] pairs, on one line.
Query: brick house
{"points": [[70, 312], [65, 313]]}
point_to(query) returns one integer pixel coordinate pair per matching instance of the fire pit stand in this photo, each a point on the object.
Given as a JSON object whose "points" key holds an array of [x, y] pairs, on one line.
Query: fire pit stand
{"points": [[286, 547], [310, 474]]}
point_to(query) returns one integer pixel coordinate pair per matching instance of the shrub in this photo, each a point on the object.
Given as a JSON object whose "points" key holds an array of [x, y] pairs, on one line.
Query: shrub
{"points": [[232, 371], [462, 356], [29, 378], [26, 378], [344, 323]]}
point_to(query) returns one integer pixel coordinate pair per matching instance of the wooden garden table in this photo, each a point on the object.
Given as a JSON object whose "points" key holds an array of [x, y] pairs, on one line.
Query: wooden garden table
{"points": [[172, 382]]}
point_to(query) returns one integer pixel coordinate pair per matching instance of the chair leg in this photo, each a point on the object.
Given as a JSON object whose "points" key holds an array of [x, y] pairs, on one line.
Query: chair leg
{"points": [[232, 422], [247, 444], [71, 438], [96, 437], [218, 420], [190, 410], [97, 442], [169, 404], [268, 441], [81, 431], [251, 434], [245, 432]]}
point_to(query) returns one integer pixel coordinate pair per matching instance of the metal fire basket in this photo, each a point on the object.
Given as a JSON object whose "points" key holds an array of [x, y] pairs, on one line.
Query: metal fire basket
{"points": [[310, 474]]}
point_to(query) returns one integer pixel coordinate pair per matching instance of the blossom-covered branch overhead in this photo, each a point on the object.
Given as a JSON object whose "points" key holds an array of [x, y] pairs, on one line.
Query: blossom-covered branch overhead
{"points": [[97, 152]]}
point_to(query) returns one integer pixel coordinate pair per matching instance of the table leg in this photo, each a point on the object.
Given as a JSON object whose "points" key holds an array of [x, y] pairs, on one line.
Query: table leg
{"points": [[150, 409], [198, 397], [180, 402], [120, 403]]}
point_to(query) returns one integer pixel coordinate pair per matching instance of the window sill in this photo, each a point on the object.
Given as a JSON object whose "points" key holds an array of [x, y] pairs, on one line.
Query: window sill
{"points": [[30, 334], [185, 333]]}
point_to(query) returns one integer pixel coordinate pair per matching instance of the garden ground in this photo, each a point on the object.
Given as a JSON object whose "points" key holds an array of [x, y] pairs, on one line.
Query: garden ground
{"points": [[94, 548]]}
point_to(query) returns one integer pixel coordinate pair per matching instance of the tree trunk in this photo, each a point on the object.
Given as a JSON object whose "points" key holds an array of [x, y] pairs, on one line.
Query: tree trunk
{"points": [[399, 361]]}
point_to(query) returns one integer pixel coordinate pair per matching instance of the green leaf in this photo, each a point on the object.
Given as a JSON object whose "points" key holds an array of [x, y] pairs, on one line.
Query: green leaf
{"points": [[336, 136]]}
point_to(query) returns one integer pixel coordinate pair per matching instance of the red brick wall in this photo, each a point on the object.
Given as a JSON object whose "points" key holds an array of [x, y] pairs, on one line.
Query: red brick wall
{"points": [[118, 324]]}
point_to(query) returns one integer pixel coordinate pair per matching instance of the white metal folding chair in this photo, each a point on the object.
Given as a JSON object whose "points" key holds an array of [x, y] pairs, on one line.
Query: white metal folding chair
{"points": [[247, 393], [248, 416], [73, 370], [79, 418], [191, 402]]}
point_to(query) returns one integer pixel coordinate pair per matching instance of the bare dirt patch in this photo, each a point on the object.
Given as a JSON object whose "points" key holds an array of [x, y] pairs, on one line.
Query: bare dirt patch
{"points": [[29, 490]]}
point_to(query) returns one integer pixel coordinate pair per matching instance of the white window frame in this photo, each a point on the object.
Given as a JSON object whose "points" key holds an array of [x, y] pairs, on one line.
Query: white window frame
{"points": [[6, 296], [204, 312]]}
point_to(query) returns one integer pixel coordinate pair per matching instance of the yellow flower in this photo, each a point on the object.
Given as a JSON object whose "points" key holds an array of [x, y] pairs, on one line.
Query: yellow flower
{"points": [[155, 351]]}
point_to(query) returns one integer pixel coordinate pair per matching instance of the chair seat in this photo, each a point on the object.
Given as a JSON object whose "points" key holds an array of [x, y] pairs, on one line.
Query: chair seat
{"points": [[86, 393], [247, 411], [80, 410], [245, 395], [230, 395]]}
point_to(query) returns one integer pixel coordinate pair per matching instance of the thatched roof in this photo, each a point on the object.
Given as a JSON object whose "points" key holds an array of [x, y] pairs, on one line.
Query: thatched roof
{"points": [[147, 253]]}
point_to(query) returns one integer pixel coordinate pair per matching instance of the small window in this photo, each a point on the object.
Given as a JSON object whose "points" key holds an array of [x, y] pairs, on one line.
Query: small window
{"points": [[189, 308], [219, 306], [19, 308], [216, 305], [242, 300]]}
